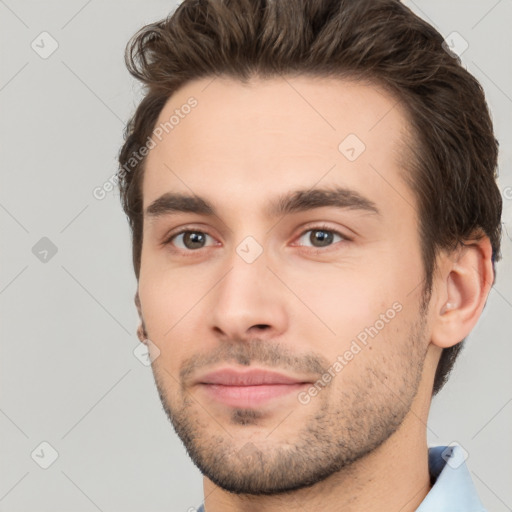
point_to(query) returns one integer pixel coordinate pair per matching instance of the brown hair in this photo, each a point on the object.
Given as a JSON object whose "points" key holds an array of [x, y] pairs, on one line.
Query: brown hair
{"points": [[451, 165]]}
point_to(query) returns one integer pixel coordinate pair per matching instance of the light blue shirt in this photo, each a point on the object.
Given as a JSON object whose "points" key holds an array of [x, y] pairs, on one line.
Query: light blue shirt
{"points": [[453, 489]]}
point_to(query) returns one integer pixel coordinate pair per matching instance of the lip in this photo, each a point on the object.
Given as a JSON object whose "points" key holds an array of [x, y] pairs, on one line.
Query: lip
{"points": [[249, 388], [254, 377]]}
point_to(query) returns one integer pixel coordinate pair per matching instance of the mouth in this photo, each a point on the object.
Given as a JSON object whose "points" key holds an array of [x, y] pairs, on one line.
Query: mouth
{"points": [[250, 388]]}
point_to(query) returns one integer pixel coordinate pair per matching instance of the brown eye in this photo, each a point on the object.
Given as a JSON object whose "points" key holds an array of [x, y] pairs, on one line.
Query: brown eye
{"points": [[320, 237], [190, 240]]}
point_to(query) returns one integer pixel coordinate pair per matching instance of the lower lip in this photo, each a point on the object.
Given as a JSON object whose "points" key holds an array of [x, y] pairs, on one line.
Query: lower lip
{"points": [[250, 396]]}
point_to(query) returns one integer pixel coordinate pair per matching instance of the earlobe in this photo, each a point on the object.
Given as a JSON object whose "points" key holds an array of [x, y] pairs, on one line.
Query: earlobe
{"points": [[463, 287], [141, 330], [141, 334]]}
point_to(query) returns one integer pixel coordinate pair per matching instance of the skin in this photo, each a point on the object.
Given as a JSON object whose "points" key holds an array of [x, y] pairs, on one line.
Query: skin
{"points": [[360, 442]]}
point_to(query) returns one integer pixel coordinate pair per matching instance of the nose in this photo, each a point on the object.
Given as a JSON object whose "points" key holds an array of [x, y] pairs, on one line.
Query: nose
{"points": [[249, 301]]}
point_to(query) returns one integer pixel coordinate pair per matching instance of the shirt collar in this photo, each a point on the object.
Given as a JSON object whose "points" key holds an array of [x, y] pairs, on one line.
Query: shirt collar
{"points": [[453, 490]]}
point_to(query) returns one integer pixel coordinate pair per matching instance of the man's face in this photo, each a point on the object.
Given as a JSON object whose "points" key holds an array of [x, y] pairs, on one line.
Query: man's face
{"points": [[288, 325]]}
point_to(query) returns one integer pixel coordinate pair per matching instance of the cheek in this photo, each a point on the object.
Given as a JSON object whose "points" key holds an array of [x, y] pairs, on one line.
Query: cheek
{"points": [[348, 309], [381, 362], [165, 303], [169, 295], [345, 300], [176, 307]]}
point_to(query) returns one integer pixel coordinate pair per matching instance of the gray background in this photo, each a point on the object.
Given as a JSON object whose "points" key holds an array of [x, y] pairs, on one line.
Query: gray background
{"points": [[68, 373]]}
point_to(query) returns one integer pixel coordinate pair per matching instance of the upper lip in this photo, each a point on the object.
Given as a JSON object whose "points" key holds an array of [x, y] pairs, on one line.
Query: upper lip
{"points": [[233, 377]]}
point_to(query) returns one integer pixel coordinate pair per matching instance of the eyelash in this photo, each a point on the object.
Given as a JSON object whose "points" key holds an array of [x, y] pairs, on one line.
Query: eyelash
{"points": [[190, 252]]}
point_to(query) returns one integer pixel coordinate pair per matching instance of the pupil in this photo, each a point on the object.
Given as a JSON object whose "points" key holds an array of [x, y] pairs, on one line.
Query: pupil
{"points": [[322, 237], [193, 240]]}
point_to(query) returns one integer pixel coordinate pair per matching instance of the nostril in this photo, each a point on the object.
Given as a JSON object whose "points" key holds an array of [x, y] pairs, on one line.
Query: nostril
{"points": [[262, 326]]}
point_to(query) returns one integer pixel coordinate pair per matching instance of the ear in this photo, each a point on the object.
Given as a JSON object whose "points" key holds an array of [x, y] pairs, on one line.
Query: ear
{"points": [[141, 330], [464, 281]]}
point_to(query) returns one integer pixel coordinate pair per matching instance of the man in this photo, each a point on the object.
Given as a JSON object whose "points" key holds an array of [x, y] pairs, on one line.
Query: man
{"points": [[312, 194]]}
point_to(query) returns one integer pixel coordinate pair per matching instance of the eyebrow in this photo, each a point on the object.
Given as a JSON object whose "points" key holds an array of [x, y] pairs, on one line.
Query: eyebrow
{"points": [[291, 202]]}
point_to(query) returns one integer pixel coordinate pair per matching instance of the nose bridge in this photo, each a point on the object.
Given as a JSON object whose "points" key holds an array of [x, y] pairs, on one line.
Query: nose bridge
{"points": [[248, 295]]}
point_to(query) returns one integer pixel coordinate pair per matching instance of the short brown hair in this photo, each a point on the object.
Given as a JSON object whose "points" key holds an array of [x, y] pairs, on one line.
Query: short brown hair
{"points": [[451, 165]]}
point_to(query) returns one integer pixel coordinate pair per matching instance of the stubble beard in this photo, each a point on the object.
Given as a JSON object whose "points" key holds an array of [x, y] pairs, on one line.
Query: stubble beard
{"points": [[342, 428]]}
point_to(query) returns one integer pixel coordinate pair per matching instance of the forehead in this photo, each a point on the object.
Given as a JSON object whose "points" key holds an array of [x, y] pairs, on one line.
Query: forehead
{"points": [[217, 135]]}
